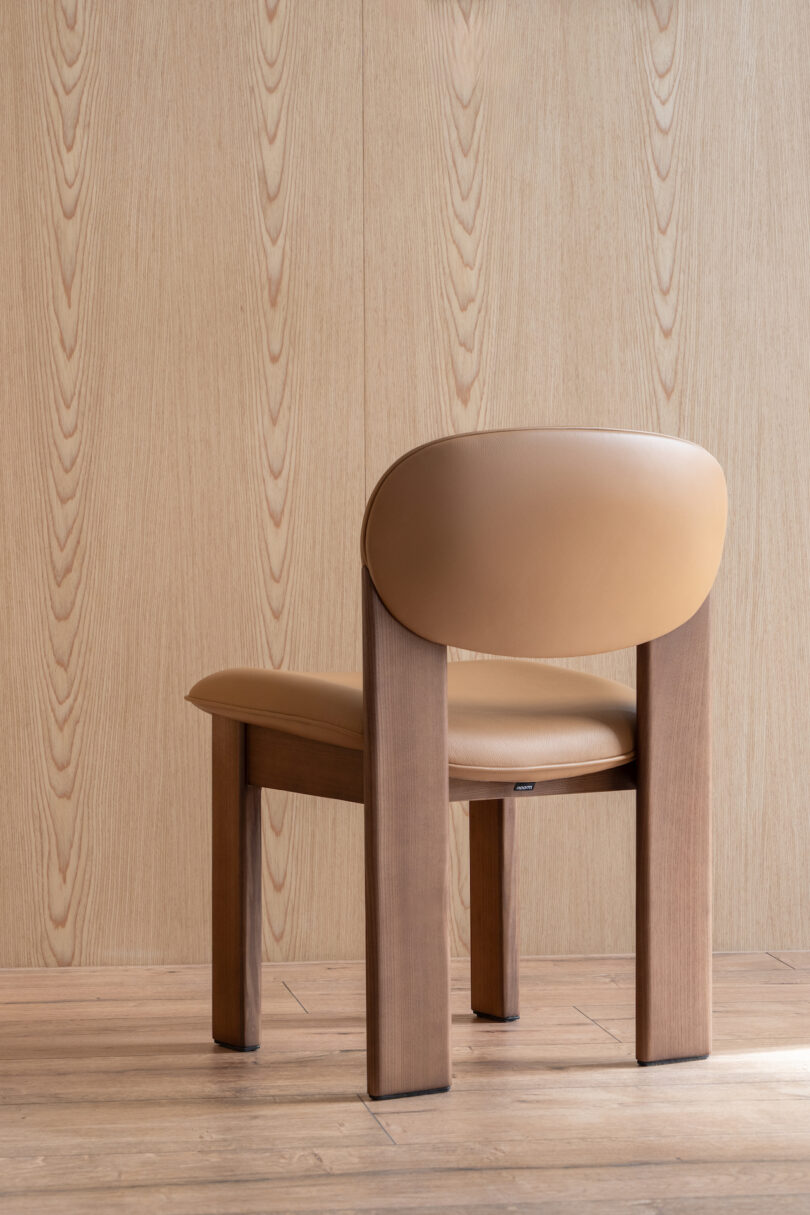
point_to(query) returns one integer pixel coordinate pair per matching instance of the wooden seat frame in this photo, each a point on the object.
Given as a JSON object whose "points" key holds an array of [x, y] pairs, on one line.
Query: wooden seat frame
{"points": [[401, 776]]}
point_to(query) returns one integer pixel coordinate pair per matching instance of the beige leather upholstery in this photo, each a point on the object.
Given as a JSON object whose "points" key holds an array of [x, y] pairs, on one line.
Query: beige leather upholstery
{"points": [[507, 720], [546, 543]]}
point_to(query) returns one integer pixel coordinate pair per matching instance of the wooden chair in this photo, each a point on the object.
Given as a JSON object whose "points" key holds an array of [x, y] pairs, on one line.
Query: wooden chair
{"points": [[535, 543]]}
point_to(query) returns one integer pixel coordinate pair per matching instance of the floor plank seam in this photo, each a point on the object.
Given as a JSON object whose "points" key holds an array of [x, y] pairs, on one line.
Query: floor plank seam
{"points": [[776, 958], [598, 1026], [284, 983], [369, 1110]]}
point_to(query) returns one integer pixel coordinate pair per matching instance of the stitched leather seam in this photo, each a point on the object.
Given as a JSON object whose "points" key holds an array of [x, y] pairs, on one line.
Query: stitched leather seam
{"points": [[274, 718], [279, 718], [575, 763]]}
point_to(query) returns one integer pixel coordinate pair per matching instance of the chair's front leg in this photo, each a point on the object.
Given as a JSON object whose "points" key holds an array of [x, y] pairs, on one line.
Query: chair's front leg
{"points": [[493, 909], [407, 857], [673, 855], [236, 892]]}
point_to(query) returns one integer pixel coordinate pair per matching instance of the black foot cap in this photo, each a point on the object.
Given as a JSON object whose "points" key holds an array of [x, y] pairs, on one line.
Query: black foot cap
{"points": [[491, 1017], [230, 1046], [419, 1092], [660, 1062]]}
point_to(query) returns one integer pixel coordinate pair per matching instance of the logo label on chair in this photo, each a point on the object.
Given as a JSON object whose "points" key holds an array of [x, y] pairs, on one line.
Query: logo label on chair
{"points": [[524, 787]]}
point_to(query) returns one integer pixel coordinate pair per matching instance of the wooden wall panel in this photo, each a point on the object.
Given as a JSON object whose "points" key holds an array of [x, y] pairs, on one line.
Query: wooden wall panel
{"points": [[310, 488], [750, 381], [251, 253], [598, 215], [474, 218], [183, 473]]}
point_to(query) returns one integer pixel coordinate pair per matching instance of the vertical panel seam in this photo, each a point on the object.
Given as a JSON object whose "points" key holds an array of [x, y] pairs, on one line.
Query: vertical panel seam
{"points": [[363, 230]]}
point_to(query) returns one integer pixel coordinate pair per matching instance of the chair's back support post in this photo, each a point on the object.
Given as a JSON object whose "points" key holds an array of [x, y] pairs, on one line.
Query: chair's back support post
{"points": [[673, 896], [407, 856]]}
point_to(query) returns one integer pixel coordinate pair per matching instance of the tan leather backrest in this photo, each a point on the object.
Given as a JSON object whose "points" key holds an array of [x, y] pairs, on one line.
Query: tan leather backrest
{"points": [[546, 543]]}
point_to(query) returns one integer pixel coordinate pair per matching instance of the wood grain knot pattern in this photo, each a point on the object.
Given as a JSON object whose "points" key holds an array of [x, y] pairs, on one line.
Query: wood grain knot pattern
{"points": [[67, 63], [190, 189], [272, 87], [664, 67], [275, 418], [459, 52]]}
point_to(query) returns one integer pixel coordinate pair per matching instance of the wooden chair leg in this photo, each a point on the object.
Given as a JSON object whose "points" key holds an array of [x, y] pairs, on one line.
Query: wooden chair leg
{"points": [[407, 817], [673, 900], [494, 956], [236, 891]]}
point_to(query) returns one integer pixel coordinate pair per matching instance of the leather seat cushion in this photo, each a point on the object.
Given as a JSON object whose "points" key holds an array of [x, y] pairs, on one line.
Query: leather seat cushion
{"points": [[507, 720]]}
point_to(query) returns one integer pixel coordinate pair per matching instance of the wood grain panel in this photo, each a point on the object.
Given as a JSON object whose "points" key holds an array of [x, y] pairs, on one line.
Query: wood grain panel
{"points": [[52, 519], [20, 901], [251, 253], [503, 136], [185, 303], [750, 385], [666, 76], [307, 173], [629, 201]]}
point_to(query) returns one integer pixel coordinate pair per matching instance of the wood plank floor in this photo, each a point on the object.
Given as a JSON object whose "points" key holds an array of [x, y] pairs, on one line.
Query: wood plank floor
{"points": [[113, 1098]]}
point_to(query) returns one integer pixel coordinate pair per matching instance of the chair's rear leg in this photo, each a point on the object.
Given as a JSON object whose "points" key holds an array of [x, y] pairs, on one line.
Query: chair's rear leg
{"points": [[407, 857], [236, 892], [673, 857], [494, 956]]}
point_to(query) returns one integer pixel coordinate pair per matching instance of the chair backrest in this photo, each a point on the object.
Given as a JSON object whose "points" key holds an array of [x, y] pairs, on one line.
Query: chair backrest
{"points": [[546, 543]]}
